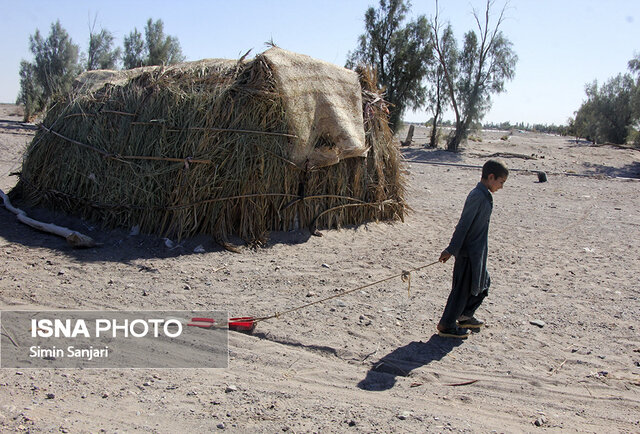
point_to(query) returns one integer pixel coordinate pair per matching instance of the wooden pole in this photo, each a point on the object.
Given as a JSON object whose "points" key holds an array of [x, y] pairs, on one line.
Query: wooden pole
{"points": [[409, 138]]}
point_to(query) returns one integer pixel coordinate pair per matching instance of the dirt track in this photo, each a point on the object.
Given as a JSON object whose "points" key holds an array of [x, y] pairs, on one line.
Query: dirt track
{"points": [[565, 252]]}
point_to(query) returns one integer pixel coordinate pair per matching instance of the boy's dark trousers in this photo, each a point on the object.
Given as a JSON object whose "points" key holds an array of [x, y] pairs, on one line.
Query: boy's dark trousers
{"points": [[461, 301]]}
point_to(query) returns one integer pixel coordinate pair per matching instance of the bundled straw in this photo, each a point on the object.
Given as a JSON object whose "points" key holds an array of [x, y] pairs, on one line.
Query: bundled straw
{"points": [[203, 147]]}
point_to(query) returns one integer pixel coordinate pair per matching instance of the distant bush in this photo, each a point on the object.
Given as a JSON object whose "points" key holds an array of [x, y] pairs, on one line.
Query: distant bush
{"points": [[56, 61], [50, 75], [537, 128], [607, 114], [634, 138]]}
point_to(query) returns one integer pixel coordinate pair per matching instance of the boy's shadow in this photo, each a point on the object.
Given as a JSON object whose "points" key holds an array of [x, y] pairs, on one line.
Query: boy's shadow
{"points": [[403, 360]]}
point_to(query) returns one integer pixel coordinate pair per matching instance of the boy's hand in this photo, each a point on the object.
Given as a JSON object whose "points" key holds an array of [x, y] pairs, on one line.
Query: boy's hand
{"points": [[444, 256]]}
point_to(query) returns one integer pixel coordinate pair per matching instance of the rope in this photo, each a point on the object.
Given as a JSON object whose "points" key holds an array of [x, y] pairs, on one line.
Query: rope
{"points": [[405, 275]]}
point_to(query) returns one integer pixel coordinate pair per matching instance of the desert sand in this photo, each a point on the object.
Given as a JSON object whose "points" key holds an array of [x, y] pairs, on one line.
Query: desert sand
{"points": [[564, 254]]}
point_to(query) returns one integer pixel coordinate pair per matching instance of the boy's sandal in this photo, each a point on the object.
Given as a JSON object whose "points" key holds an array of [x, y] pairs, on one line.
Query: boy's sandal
{"points": [[455, 332], [471, 323]]}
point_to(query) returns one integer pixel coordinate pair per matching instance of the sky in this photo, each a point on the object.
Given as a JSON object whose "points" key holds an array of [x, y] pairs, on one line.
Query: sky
{"points": [[562, 45]]}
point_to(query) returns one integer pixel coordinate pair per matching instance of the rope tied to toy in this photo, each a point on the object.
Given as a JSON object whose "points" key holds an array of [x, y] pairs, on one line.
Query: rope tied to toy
{"points": [[405, 275]]}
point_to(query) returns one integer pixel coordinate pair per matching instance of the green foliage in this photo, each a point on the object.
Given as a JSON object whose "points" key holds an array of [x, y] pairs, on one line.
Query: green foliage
{"points": [[611, 112], [634, 64], [100, 54], [161, 49], [51, 73], [133, 56], [536, 128], [30, 90], [606, 116], [472, 74], [155, 49], [634, 137], [56, 63], [634, 67], [399, 51]]}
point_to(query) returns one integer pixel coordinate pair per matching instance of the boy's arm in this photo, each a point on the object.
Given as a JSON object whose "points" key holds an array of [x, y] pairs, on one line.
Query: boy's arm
{"points": [[469, 212]]}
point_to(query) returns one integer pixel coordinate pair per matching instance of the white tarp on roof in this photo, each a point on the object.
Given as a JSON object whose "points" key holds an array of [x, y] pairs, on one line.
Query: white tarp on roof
{"points": [[321, 100]]}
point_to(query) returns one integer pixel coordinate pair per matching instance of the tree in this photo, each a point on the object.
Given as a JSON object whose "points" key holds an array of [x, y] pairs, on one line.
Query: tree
{"points": [[30, 90], [133, 50], [634, 67], [437, 99], [161, 49], [52, 72], [437, 92], [634, 64], [400, 53], [474, 73], [607, 114], [100, 55], [156, 49]]}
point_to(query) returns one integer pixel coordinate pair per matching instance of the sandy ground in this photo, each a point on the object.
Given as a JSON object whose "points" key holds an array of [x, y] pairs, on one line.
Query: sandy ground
{"points": [[565, 252]]}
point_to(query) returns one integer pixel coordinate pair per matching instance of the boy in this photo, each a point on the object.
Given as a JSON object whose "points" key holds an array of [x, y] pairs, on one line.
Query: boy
{"points": [[469, 246]]}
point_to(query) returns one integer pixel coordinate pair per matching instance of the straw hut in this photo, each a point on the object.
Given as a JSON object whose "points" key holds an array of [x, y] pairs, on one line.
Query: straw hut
{"points": [[220, 147]]}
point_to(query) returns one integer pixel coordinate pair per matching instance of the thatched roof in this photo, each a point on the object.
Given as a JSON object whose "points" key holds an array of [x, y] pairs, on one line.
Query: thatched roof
{"points": [[219, 146]]}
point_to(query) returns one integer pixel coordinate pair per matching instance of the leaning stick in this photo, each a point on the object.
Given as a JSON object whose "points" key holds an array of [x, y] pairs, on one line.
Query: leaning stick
{"points": [[76, 239]]}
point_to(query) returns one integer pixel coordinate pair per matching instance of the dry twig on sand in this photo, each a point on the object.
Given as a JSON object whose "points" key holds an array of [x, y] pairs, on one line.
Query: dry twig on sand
{"points": [[76, 239]]}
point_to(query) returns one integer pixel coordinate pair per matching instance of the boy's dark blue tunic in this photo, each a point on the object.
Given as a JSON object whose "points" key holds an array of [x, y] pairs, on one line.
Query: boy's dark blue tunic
{"points": [[469, 245]]}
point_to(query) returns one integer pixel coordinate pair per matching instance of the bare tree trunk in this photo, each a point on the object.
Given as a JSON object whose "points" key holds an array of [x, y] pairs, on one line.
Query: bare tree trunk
{"points": [[492, 61], [434, 130], [433, 142], [457, 137], [454, 141]]}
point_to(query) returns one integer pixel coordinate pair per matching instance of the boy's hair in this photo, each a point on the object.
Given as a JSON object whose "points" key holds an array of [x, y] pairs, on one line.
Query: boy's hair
{"points": [[495, 168]]}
